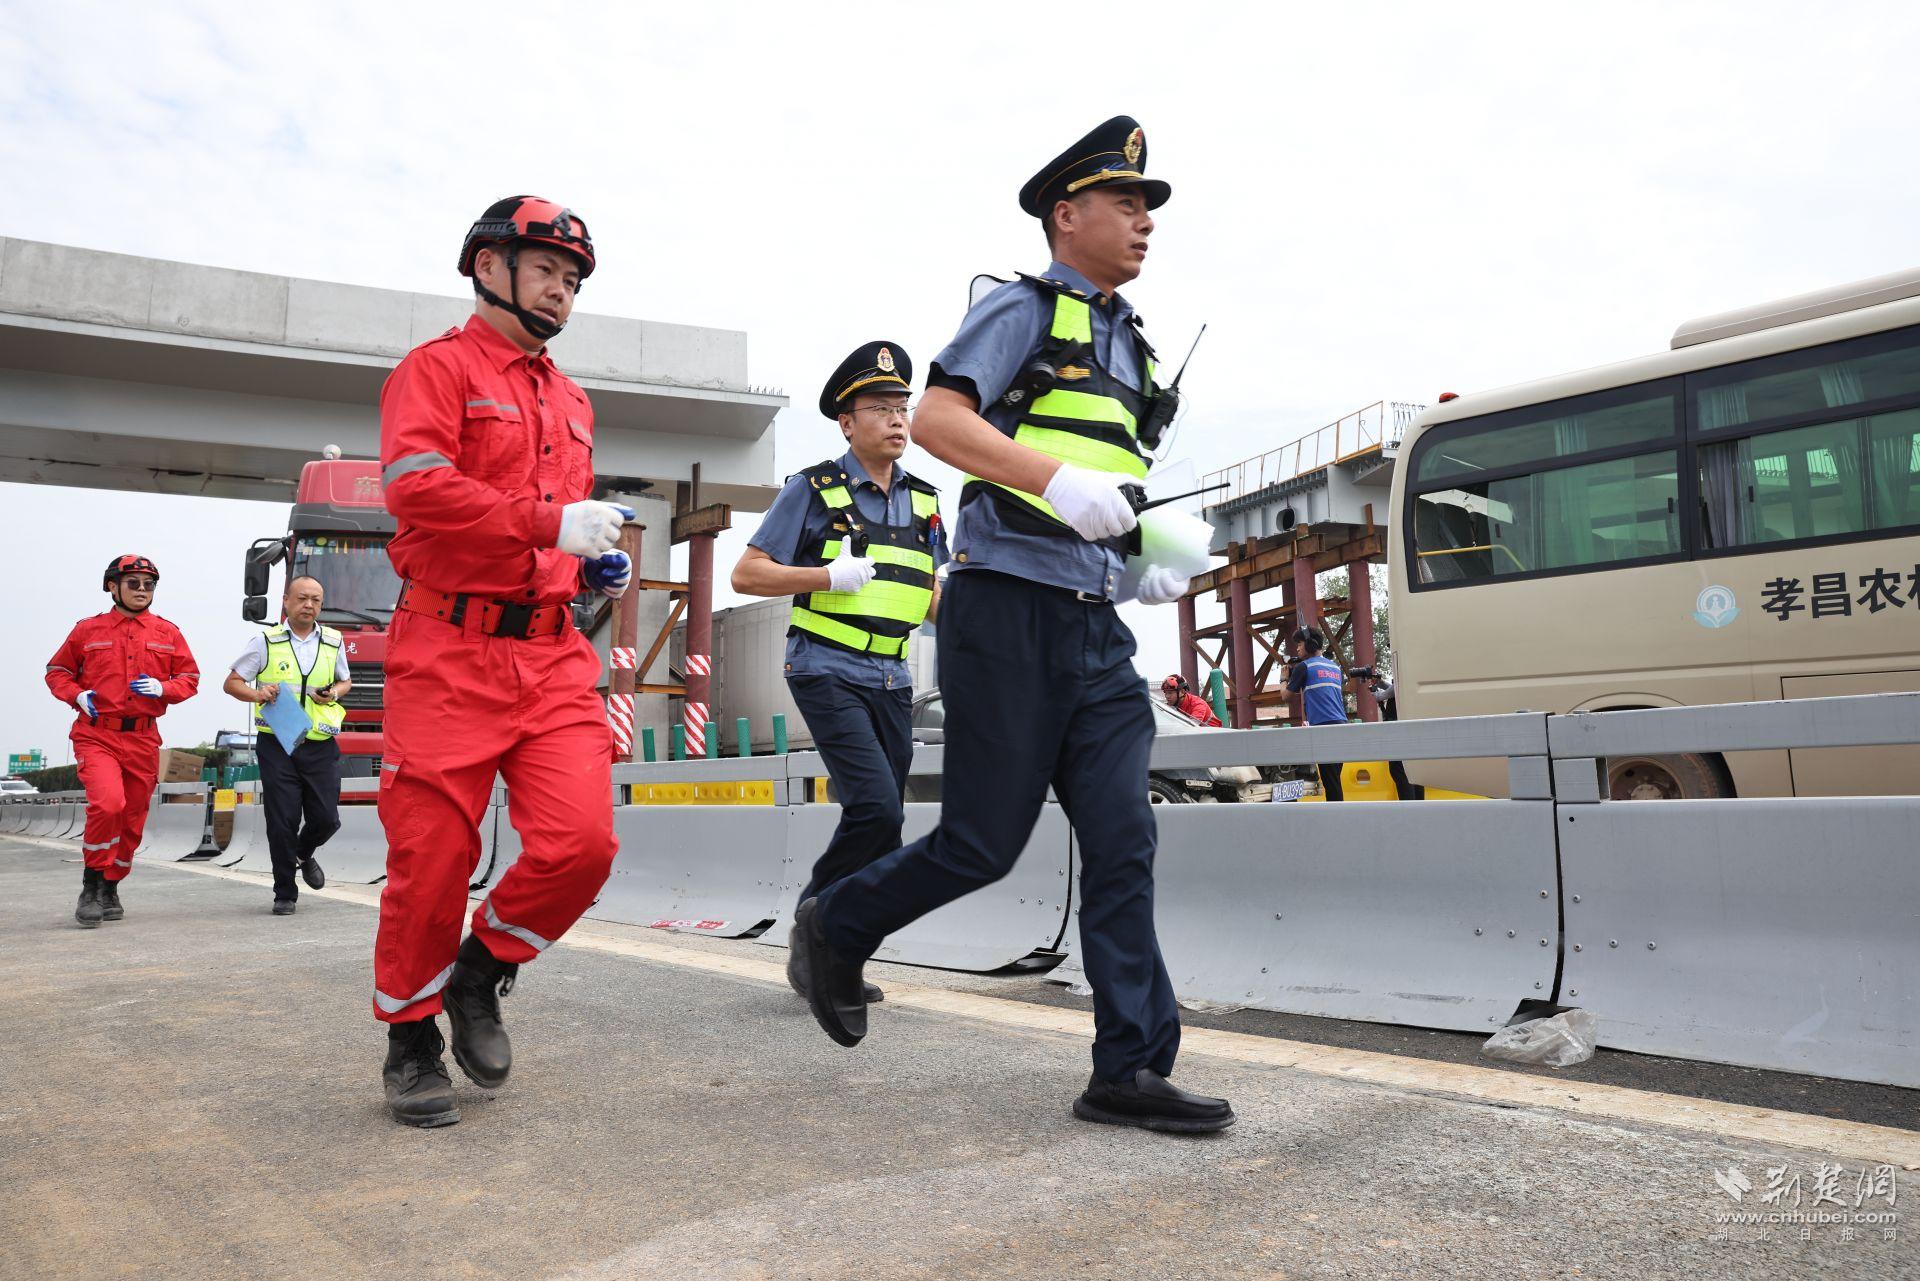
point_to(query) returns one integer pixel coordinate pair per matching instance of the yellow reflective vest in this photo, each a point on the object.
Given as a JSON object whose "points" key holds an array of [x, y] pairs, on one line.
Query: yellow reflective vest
{"points": [[283, 669], [1088, 418], [879, 617]]}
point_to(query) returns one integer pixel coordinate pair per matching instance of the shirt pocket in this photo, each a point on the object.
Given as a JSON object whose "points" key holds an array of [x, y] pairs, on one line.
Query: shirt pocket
{"points": [[579, 460], [160, 658], [494, 445]]}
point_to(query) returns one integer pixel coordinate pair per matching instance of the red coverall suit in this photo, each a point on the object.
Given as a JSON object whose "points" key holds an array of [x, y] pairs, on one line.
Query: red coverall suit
{"points": [[119, 751], [1198, 708], [481, 446]]}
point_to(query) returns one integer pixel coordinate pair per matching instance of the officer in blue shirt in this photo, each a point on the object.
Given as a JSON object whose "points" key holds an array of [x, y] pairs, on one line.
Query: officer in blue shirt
{"points": [[1045, 399], [856, 542], [1319, 685]]}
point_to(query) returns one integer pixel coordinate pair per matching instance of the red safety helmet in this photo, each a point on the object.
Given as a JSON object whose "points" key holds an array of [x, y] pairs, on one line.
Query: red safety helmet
{"points": [[1174, 684], [531, 220], [127, 565]]}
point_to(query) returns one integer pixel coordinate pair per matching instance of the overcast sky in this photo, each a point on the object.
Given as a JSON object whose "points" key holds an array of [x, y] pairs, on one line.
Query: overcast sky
{"points": [[1370, 201]]}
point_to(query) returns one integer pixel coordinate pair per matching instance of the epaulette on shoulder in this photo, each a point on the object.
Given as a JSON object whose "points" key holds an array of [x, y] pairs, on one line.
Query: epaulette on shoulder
{"points": [[914, 482], [1050, 285], [823, 475]]}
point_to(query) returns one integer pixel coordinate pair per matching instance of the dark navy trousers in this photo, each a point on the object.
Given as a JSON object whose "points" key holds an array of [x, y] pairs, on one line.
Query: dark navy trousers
{"points": [[301, 793], [1039, 689], [864, 733]]}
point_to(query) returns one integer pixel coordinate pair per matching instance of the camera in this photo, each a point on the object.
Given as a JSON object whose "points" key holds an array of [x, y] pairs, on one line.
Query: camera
{"points": [[1363, 673]]}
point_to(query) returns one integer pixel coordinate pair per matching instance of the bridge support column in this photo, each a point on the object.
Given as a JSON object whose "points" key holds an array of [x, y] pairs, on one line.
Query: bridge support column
{"points": [[1240, 651], [1360, 616], [1189, 659]]}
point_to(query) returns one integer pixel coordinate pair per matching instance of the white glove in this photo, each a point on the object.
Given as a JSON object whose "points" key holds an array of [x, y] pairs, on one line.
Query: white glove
{"points": [[849, 573], [145, 686], [1161, 586], [84, 701], [588, 528], [1091, 502]]}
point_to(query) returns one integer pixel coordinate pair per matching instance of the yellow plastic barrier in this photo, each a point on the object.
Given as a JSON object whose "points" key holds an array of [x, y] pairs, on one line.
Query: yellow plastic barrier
{"points": [[1371, 781]]}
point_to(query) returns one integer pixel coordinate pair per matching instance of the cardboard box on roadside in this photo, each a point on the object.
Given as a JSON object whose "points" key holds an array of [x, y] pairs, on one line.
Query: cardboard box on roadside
{"points": [[177, 766]]}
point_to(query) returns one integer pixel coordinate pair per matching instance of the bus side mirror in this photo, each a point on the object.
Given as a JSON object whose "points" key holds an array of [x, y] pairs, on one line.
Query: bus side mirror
{"points": [[254, 609]]}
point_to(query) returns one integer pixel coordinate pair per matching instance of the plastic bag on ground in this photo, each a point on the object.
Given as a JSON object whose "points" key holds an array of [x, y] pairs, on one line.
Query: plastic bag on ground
{"points": [[1565, 1039]]}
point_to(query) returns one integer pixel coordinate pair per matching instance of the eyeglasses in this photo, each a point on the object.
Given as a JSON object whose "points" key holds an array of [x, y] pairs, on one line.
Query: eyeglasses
{"points": [[138, 583], [888, 411]]}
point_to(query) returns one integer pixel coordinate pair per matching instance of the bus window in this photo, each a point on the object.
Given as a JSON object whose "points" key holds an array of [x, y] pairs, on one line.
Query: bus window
{"points": [[1566, 518], [1808, 384], [1543, 434], [1823, 481]]}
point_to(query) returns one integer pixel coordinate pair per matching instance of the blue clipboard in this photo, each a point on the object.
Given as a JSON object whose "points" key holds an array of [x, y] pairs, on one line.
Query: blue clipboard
{"points": [[288, 720]]}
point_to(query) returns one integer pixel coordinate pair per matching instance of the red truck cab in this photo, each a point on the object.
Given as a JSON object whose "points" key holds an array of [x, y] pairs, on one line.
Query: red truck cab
{"points": [[338, 533]]}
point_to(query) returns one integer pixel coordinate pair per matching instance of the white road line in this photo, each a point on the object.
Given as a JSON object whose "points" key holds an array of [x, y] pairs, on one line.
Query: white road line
{"points": [[1852, 1139]]}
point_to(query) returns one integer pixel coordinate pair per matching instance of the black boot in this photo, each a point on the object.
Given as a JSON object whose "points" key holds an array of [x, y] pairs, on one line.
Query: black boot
{"points": [[310, 873], [1152, 1102], [419, 1091], [88, 911], [472, 1000], [835, 990], [797, 970], [110, 909]]}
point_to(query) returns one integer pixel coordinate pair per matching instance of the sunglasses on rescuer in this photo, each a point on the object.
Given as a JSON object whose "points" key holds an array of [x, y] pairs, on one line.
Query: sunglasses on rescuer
{"points": [[139, 582]]}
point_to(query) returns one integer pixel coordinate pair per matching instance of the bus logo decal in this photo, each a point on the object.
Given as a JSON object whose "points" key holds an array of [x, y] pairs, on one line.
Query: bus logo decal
{"points": [[1715, 606]]}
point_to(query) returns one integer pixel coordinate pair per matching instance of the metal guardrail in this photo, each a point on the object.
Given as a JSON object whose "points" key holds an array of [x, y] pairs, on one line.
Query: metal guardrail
{"points": [[1378, 426]]}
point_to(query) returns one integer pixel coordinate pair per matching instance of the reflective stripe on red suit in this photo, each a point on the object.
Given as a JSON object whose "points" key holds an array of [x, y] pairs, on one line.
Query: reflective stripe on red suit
{"points": [[118, 768], [480, 448]]}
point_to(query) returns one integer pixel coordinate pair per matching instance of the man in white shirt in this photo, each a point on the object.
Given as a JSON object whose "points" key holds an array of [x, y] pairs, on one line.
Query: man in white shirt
{"points": [[299, 782]]}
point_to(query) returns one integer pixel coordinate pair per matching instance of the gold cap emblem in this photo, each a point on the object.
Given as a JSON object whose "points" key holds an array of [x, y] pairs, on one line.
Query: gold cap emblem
{"points": [[884, 361], [1136, 142]]}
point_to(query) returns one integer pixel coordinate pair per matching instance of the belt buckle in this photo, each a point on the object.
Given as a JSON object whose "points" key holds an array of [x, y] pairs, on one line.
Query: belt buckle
{"points": [[516, 619], [1090, 598]]}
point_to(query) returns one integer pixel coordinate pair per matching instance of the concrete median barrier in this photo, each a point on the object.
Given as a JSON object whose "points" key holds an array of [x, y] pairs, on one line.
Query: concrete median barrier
{"points": [[1769, 933], [357, 853], [76, 828], [709, 869], [247, 847], [173, 831], [1425, 915]]}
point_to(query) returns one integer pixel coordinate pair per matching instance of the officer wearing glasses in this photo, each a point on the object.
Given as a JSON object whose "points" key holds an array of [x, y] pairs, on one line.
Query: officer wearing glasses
{"points": [[855, 541]]}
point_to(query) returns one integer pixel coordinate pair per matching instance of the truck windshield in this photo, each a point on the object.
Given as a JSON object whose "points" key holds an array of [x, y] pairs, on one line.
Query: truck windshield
{"points": [[360, 583]]}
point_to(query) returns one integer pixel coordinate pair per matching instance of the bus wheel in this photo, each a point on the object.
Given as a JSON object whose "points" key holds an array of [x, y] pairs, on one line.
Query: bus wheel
{"points": [[1687, 777]]}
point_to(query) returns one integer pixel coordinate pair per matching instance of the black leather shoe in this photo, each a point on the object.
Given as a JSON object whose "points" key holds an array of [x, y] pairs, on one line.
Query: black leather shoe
{"points": [[1152, 1102], [419, 1091], [310, 873], [87, 910], [472, 1001], [283, 907], [797, 971], [834, 987], [110, 909]]}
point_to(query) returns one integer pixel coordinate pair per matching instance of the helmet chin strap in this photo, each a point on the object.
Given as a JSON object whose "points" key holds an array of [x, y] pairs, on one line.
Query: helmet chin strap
{"points": [[122, 604], [534, 323]]}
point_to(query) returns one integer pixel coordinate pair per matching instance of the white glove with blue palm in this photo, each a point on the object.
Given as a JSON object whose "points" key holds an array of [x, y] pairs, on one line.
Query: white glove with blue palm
{"points": [[145, 686], [84, 701]]}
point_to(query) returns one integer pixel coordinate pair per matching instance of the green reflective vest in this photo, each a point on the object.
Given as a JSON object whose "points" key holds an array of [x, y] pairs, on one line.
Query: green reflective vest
{"points": [[283, 669], [1088, 418], [879, 617]]}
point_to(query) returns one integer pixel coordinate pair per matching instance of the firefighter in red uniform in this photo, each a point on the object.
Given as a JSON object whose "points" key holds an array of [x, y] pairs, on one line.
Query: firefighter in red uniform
{"points": [[122, 670], [1181, 698], [486, 452]]}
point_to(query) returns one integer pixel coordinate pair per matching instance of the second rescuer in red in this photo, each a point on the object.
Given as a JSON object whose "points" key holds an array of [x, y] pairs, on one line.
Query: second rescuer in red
{"points": [[486, 452]]}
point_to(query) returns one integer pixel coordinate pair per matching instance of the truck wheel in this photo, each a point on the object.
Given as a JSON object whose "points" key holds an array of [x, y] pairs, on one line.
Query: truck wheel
{"points": [[1161, 792], [1690, 776]]}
